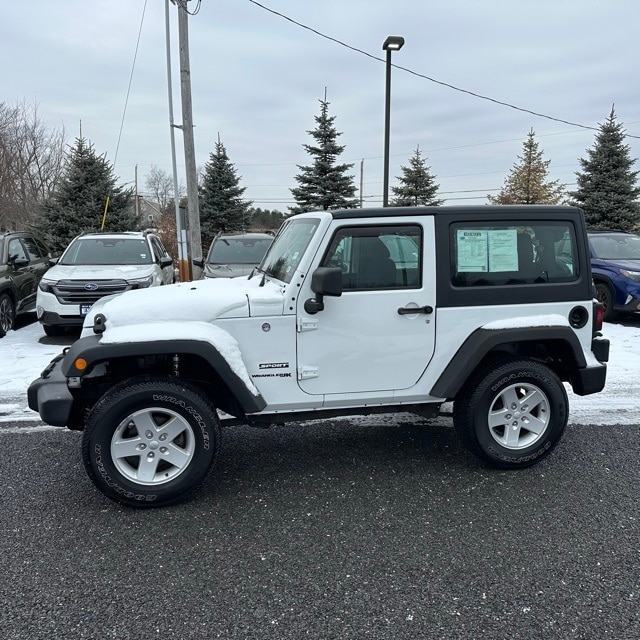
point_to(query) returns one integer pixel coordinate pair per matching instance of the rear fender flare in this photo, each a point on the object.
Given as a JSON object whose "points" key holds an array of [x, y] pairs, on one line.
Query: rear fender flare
{"points": [[482, 341]]}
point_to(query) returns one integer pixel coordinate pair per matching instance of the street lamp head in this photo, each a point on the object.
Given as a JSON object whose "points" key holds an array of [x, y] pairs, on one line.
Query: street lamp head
{"points": [[393, 43]]}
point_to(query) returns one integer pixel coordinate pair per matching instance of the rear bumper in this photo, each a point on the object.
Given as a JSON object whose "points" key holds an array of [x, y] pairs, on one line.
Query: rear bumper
{"points": [[49, 395], [592, 379]]}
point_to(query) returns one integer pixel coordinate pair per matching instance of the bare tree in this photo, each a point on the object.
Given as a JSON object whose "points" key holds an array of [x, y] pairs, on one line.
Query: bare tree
{"points": [[32, 159], [160, 185]]}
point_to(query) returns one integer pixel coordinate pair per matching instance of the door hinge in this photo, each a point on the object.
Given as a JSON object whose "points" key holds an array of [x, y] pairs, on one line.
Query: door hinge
{"points": [[304, 372], [306, 324]]}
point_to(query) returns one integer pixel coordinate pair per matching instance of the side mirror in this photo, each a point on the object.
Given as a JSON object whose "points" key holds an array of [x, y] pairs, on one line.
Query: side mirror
{"points": [[198, 262], [18, 263], [325, 281], [166, 261], [53, 262]]}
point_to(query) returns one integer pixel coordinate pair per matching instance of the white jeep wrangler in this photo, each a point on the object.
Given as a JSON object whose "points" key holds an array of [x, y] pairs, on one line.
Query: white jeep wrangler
{"points": [[350, 312]]}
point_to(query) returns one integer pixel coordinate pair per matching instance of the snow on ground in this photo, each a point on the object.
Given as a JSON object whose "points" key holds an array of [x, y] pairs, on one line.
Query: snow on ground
{"points": [[24, 353]]}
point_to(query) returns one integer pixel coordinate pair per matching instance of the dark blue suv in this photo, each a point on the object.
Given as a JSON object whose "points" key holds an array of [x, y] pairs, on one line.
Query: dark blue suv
{"points": [[615, 264]]}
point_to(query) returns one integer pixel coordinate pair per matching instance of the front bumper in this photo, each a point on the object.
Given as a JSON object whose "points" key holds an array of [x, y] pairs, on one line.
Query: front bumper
{"points": [[49, 395], [51, 318]]}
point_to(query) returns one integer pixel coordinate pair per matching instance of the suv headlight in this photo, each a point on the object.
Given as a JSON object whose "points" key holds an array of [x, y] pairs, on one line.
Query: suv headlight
{"points": [[141, 283], [47, 285], [632, 275]]}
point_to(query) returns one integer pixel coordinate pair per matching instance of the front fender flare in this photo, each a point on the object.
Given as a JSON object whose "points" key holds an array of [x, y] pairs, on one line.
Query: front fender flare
{"points": [[94, 353]]}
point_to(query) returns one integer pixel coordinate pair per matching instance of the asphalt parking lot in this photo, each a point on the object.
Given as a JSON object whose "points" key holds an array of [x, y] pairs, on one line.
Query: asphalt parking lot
{"points": [[347, 529]]}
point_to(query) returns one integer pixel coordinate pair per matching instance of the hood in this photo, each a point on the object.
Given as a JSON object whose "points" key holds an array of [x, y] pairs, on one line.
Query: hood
{"points": [[629, 265], [99, 272], [201, 301]]}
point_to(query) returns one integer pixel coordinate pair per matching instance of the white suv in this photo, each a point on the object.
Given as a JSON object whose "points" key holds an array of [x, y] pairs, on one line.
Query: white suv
{"points": [[95, 265]]}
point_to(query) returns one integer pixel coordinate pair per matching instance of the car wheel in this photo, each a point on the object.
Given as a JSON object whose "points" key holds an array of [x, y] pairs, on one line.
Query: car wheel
{"points": [[512, 413], [151, 442], [7, 314], [604, 295], [53, 330]]}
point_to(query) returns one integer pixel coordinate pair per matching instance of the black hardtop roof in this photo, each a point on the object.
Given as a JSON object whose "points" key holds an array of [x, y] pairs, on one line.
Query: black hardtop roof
{"points": [[515, 210]]}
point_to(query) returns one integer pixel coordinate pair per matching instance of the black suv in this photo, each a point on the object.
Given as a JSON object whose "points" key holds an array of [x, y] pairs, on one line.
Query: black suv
{"points": [[24, 259]]}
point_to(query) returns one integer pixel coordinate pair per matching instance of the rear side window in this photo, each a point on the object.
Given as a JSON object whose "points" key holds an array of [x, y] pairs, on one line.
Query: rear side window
{"points": [[33, 249], [486, 254]]}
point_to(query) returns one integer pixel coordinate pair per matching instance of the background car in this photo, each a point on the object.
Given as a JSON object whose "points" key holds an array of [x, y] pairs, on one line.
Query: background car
{"points": [[235, 254], [24, 260], [615, 265], [95, 265]]}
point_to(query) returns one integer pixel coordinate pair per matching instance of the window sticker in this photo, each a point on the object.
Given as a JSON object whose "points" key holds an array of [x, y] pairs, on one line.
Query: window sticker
{"points": [[503, 250], [472, 251]]}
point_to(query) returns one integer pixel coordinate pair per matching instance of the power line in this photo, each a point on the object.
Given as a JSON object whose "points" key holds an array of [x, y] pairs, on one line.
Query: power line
{"points": [[425, 77], [126, 101]]}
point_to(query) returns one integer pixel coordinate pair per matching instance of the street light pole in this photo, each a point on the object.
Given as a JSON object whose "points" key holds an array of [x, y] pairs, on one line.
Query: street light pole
{"points": [[392, 43]]}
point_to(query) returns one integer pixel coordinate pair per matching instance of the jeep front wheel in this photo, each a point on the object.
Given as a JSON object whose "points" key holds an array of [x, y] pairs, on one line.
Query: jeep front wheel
{"points": [[513, 413], [151, 442]]}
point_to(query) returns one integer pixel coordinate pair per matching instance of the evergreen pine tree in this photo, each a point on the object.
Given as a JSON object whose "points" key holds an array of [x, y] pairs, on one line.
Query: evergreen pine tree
{"points": [[418, 185], [78, 202], [607, 188], [527, 183], [221, 205], [324, 184]]}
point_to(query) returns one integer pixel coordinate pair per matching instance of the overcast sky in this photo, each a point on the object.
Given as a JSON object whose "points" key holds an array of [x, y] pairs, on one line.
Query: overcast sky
{"points": [[257, 78]]}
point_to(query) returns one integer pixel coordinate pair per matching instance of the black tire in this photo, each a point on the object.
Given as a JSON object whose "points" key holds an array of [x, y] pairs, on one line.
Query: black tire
{"points": [[7, 314], [605, 296], [168, 425], [53, 330], [513, 413]]}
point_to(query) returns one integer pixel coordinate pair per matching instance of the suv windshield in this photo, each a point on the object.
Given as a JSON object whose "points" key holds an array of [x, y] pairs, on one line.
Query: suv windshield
{"points": [[287, 249], [616, 246], [112, 251], [238, 250]]}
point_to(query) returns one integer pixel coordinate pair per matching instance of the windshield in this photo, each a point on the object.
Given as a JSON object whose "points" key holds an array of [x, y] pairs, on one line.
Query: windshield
{"points": [[287, 249], [112, 251], [238, 250], [616, 247]]}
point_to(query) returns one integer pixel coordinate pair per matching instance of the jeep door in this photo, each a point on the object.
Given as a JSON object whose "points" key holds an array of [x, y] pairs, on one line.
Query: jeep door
{"points": [[378, 336]]}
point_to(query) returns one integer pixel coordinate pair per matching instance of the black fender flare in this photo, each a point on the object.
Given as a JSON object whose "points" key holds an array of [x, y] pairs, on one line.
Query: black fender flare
{"points": [[482, 341], [94, 353]]}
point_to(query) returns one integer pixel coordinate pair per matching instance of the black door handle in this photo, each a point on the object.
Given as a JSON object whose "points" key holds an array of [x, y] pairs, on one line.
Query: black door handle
{"points": [[407, 311]]}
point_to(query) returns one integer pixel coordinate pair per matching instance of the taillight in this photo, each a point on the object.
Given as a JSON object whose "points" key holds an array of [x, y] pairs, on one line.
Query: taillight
{"points": [[598, 316]]}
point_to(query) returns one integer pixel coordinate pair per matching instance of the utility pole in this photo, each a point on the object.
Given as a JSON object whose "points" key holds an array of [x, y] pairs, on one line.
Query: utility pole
{"points": [[137, 202], [181, 235], [193, 212]]}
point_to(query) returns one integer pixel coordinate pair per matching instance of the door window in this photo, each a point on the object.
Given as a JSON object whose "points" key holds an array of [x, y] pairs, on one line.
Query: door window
{"points": [[383, 257], [16, 250]]}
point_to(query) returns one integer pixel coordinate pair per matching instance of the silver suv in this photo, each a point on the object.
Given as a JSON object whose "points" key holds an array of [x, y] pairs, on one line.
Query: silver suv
{"points": [[235, 254], [95, 265]]}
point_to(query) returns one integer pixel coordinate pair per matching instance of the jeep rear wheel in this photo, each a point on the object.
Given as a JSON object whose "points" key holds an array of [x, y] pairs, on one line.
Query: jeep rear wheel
{"points": [[513, 414], [151, 442]]}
